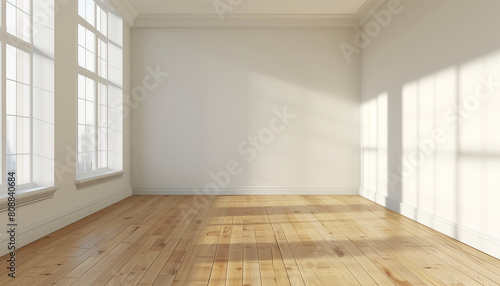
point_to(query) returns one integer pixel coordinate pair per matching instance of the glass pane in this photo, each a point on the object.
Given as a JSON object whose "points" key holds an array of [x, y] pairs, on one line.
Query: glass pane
{"points": [[81, 138], [89, 12], [81, 35], [23, 169], [102, 49], [115, 29], [11, 19], [103, 159], [90, 138], [81, 86], [103, 116], [11, 126], [90, 90], [23, 135], [103, 139], [104, 24], [80, 162], [115, 56], [24, 5], [81, 57], [11, 62], [81, 111], [98, 17], [115, 75], [89, 161], [90, 61], [81, 8], [90, 41], [23, 67], [103, 94], [23, 26], [11, 97], [11, 163], [115, 119], [89, 114], [115, 97], [103, 68], [23, 100]]}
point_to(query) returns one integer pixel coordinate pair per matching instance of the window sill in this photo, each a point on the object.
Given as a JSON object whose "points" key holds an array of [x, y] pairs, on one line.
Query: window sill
{"points": [[96, 179], [29, 196]]}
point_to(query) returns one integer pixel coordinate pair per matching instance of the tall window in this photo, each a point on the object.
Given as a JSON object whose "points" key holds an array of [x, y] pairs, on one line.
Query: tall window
{"points": [[27, 85], [100, 88]]}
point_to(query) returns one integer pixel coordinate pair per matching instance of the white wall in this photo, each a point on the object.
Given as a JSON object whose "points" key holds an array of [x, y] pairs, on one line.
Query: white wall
{"points": [[223, 86], [431, 129], [69, 204]]}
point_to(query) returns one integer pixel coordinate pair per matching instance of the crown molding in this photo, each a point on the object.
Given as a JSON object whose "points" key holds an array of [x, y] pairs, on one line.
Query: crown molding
{"points": [[244, 21], [364, 14], [126, 9]]}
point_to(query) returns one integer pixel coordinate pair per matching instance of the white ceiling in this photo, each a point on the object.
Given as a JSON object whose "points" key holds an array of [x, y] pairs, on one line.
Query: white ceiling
{"points": [[285, 7]]}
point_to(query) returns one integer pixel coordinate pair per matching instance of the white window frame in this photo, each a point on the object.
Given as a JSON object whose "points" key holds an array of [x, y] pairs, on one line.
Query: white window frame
{"points": [[98, 175], [29, 192]]}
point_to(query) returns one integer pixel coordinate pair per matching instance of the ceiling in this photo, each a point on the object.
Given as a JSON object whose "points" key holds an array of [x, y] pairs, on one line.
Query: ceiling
{"points": [[255, 7]]}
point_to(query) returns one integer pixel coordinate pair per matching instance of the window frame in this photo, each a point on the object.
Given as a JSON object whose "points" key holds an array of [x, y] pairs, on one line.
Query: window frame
{"points": [[97, 174], [29, 192]]}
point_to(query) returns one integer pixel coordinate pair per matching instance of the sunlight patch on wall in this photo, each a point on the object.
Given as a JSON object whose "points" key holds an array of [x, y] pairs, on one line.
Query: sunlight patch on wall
{"points": [[374, 144]]}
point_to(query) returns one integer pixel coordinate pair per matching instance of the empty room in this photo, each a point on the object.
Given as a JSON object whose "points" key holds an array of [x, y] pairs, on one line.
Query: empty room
{"points": [[250, 142]]}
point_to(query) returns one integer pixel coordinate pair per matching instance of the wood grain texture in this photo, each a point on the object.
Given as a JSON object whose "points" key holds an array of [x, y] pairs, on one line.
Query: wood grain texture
{"points": [[249, 240]]}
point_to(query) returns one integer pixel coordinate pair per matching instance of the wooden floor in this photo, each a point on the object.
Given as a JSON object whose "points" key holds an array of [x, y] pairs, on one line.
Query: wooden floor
{"points": [[249, 240]]}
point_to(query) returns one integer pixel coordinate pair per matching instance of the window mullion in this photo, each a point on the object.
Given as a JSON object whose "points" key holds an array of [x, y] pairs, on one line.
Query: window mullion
{"points": [[31, 23], [96, 103], [4, 111]]}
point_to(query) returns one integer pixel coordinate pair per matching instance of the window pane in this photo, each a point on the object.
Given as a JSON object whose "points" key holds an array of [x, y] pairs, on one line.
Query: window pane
{"points": [[90, 40], [89, 138], [11, 18], [103, 139], [103, 116], [24, 5], [102, 21], [115, 119], [81, 86], [23, 135], [11, 97], [23, 100], [90, 61], [90, 90], [81, 8], [81, 57], [81, 138], [24, 26], [103, 159], [23, 169], [115, 29], [11, 163], [104, 24], [81, 35], [115, 97], [23, 67], [80, 162], [10, 135], [89, 113], [11, 62], [90, 12], [89, 161], [81, 111], [103, 94]]}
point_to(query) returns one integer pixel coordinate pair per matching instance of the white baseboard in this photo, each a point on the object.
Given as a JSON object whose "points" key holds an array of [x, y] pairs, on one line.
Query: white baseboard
{"points": [[478, 240], [247, 190], [39, 229]]}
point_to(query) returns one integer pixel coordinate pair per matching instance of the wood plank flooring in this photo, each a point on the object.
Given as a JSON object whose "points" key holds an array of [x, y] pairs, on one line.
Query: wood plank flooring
{"points": [[249, 240]]}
